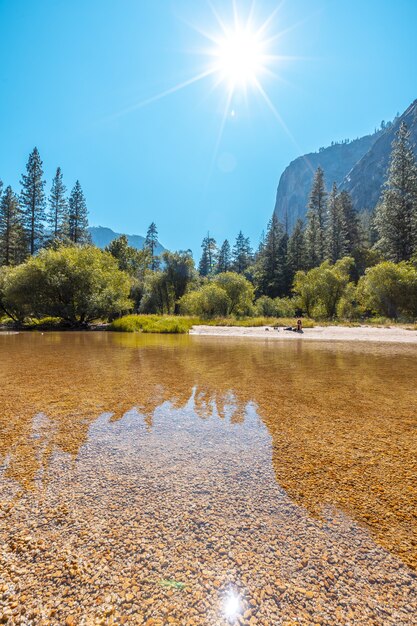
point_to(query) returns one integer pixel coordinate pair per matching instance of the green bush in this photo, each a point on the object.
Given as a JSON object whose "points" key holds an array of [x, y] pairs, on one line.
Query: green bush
{"points": [[226, 294], [390, 290], [209, 301], [77, 284], [319, 291], [275, 307]]}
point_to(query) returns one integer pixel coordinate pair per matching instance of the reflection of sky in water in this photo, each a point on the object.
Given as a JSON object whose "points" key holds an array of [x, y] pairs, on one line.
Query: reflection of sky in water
{"points": [[245, 473]]}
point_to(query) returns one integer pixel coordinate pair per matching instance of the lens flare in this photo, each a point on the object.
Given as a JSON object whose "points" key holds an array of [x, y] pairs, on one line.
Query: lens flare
{"points": [[231, 607]]}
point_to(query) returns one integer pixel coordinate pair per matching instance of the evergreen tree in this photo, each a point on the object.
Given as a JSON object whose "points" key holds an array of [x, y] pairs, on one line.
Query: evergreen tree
{"points": [[78, 221], [58, 207], [241, 254], [12, 240], [351, 220], [151, 243], [32, 200], [336, 236], [316, 221], [208, 257], [271, 270], [224, 263], [396, 215], [296, 249]]}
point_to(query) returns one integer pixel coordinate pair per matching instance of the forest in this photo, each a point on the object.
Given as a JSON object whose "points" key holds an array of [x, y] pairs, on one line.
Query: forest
{"points": [[338, 265]]}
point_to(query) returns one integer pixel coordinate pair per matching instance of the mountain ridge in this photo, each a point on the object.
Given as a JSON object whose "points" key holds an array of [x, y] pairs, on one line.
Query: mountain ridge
{"points": [[102, 235], [358, 167]]}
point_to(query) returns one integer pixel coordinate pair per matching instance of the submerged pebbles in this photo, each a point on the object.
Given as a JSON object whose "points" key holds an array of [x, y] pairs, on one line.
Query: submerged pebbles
{"points": [[189, 515]]}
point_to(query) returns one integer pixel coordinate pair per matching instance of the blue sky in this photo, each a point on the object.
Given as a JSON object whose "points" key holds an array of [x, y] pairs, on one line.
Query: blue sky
{"points": [[72, 74]]}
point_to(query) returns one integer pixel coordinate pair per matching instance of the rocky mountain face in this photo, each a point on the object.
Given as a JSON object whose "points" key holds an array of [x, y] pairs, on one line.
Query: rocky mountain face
{"points": [[358, 166], [365, 180], [102, 236]]}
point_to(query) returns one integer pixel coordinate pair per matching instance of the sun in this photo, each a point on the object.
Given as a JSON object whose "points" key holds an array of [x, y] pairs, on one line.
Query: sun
{"points": [[239, 57]]}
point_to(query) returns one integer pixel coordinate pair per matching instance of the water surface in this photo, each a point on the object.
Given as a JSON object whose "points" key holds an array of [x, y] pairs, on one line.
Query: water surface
{"points": [[275, 481]]}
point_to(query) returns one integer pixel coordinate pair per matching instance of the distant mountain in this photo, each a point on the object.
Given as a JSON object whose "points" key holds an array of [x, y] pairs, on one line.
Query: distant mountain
{"points": [[358, 166], [102, 236]]}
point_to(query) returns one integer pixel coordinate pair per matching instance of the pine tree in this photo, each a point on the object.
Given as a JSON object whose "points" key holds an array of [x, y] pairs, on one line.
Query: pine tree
{"points": [[242, 254], [32, 200], [12, 241], [58, 207], [208, 257], [78, 221], [316, 221], [351, 220], [271, 270], [151, 243], [296, 249], [224, 263], [396, 215], [336, 235]]}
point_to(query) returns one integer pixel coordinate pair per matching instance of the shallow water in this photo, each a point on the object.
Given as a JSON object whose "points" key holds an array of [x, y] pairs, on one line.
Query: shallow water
{"points": [[275, 481]]}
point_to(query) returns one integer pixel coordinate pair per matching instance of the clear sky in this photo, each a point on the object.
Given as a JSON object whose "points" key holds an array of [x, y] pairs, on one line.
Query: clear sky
{"points": [[73, 74]]}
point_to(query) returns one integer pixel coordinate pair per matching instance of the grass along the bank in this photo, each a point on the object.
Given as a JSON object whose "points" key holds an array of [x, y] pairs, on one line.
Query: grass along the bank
{"points": [[152, 324], [253, 322], [183, 324]]}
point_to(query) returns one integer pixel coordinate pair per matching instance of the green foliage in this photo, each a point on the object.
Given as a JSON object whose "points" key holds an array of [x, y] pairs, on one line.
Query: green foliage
{"points": [[319, 290], [242, 254], [151, 242], [32, 200], [253, 322], [209, 301], [208, 257], [271, 275], [152, 324], [76, 284], [297, 249], [77, 218], [129, 259], [162, 290], [275, 307], [12, 237], [224, 260], [226, 294], [396, 214], [336, 229], [316, 216], [58, 208], [239, 291], [390, 290]]}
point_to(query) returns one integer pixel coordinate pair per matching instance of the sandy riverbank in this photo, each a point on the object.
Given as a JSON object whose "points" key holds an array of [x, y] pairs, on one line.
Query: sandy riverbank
{"points": [[389, 334]]}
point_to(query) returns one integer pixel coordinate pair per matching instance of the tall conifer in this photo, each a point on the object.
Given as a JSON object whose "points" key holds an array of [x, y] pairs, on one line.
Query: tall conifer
{"points": [[32, 200], [224, 263], [12, 239], [396, 214], [151, 243], [316, 221], [58, 207], [78, 220], [336, 235]]}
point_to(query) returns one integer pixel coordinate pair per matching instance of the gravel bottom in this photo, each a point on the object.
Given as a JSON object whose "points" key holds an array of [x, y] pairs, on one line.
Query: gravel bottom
{"points": [[181, 520]]}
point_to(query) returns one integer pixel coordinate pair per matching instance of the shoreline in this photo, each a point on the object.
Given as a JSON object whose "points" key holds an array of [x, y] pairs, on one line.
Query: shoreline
{"points": [[387, 334]]}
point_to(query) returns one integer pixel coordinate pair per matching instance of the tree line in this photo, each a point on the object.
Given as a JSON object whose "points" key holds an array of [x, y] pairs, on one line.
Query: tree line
{"points": [[337, 264], [29, 219], [332, 230]]}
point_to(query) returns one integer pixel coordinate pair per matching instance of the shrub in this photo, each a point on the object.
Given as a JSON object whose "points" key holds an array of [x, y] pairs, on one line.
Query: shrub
{"points": [[319, 290], [390, 290], [275, 307], [209, 301], [77, 284]]}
